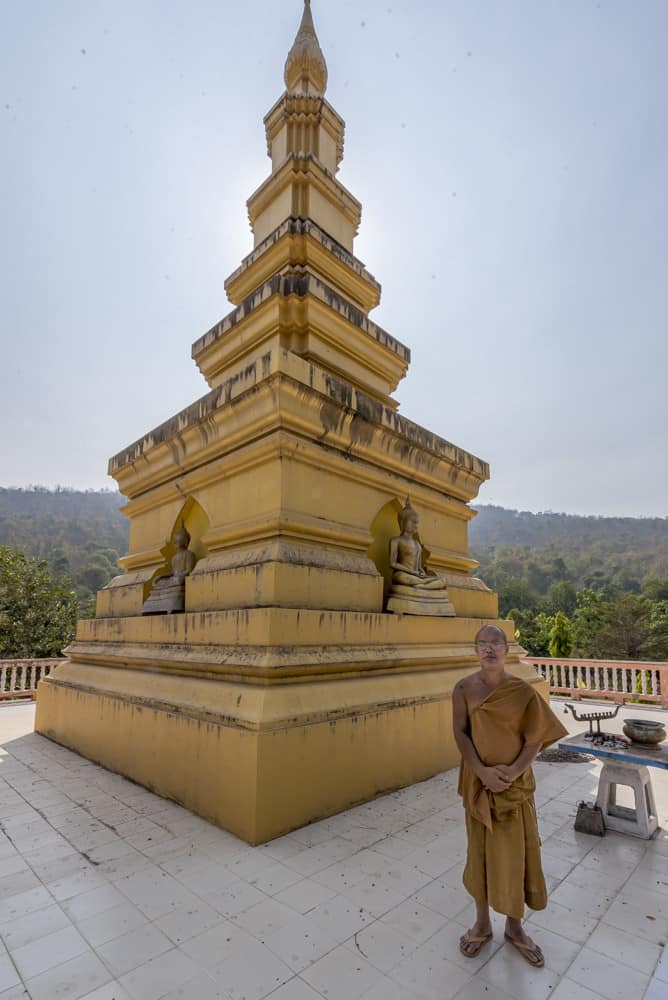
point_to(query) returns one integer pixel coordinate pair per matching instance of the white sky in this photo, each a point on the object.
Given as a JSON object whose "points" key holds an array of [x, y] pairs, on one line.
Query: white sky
{"points": [[511, 157]]}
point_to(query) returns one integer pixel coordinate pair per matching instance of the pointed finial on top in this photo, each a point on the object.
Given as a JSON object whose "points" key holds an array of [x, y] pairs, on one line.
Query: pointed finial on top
{"points": [[305, 68]]}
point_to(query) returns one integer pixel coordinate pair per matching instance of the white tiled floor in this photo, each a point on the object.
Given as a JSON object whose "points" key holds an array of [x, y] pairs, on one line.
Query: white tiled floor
{"points": [[108, 892]]}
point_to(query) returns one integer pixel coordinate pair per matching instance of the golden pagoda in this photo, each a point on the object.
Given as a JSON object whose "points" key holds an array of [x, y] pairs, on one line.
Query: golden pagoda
{"points": [[261, 661]]}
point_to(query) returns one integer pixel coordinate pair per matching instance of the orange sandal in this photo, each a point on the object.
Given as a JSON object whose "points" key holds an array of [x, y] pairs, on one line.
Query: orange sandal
{"points": [[474, 939], [524, 950]]}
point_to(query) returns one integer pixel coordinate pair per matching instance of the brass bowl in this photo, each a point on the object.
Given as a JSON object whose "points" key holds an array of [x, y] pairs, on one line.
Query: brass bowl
{"points": [[644, 731]]}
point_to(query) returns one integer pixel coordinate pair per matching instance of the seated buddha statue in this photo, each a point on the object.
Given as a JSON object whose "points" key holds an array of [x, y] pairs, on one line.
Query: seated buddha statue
{"points": [[168, 593], [415, 589]]}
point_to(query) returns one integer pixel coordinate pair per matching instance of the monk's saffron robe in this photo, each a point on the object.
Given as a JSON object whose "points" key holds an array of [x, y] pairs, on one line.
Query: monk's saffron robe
{"points": [[503, 863]]}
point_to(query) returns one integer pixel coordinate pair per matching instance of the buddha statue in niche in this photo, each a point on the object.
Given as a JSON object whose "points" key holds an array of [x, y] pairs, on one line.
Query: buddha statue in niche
{"points": [[415, 589], [168, 594]]}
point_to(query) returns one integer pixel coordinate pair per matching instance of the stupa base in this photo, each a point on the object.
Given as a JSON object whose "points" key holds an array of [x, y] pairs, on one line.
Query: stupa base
{"points": [[256, 738]]}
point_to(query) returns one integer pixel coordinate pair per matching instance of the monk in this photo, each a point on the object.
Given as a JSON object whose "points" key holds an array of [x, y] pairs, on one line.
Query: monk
{"points": [[501, 724]]}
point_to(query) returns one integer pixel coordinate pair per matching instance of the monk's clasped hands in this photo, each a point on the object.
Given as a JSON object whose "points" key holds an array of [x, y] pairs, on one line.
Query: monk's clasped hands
{"points": [[497, 778]]}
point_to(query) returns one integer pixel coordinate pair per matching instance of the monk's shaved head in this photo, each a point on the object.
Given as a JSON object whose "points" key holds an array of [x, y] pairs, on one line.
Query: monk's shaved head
{"points": [[497, 631]]}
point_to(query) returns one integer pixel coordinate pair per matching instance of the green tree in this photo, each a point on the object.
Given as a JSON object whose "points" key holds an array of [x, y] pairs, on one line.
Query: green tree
{"points": [[625, 582], [561, 636], [656, 588], [532, 631], [38, 611], [59, 561], [587, 622], [559, 569], [95, 574], [517, 594], [598, 581], [655, 646], [562, 596], [538, 576], [626, 628]]}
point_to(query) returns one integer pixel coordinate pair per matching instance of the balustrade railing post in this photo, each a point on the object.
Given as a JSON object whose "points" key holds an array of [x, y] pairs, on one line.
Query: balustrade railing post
{"points": [[19, 678], [663, 686], [616, 681]]}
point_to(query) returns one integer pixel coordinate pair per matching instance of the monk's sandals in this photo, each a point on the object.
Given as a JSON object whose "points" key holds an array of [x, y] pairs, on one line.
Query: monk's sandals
{"points": [[527, 951], [476, 940]]}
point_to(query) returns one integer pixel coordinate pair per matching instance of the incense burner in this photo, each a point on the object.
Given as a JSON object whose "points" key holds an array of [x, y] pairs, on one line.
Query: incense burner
{"points": [[644, 731]]}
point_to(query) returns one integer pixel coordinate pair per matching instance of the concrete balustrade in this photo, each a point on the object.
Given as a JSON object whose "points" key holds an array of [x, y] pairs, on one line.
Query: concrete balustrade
{"points": [[19, 678], [619, 681]]}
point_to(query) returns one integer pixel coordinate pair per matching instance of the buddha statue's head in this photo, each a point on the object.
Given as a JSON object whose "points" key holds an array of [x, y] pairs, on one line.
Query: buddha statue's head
{"points": [[181, 536], [408, 519]]}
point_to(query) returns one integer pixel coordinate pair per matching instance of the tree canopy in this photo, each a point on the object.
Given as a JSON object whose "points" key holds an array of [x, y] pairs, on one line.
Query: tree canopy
{"points": [[38, 611], [598, 586], [79, 534]]}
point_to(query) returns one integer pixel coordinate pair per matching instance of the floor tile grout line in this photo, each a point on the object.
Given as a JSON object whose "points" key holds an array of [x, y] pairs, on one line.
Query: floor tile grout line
{"points": [[82, 806], [600, 921], [72, 923], [45, 818], [662, 955], [359, 848], [15, 967]]}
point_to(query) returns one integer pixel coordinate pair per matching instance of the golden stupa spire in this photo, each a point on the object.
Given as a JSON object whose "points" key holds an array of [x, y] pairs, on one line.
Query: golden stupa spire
{"points": [[305, 67]]}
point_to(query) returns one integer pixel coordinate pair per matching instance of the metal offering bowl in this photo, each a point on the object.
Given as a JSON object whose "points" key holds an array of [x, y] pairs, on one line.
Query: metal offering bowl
{"points": [[644, 731]]}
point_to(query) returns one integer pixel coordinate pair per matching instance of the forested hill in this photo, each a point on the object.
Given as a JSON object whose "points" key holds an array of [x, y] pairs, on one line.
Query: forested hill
{"points": [[84, 533], [601, 552], [499, 526], [80, 534]]}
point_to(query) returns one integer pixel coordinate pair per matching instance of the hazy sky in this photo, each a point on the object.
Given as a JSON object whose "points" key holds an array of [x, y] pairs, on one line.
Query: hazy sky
{"points": [[512, 160]]}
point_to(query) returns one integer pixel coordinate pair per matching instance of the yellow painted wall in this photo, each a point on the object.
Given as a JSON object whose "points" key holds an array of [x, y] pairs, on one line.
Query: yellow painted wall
{"points": [[259, 784]]}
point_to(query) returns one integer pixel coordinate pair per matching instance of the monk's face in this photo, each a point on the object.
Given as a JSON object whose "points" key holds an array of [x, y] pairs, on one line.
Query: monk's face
{"points": [[492, 649]]}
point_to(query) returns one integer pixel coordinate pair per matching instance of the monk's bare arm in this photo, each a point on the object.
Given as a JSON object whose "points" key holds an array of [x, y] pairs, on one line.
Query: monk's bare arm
{"points": [[460, 719]]}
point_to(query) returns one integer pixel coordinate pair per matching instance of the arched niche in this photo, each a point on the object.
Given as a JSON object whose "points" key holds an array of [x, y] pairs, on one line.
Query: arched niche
{"points": [[196, 523], [384, 526]]}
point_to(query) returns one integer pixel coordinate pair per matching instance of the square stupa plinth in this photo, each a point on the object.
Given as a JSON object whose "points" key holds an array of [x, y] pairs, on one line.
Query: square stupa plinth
{"points": [[286, 690]]}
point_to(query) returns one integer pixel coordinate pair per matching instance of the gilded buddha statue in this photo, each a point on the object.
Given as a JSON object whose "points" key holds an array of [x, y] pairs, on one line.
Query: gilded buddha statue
{"points": [[415, 589], [168, 593]]}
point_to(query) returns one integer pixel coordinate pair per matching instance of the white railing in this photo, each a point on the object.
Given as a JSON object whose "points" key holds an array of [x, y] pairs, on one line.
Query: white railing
{"points": [[19, 678], [615, 680]]}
